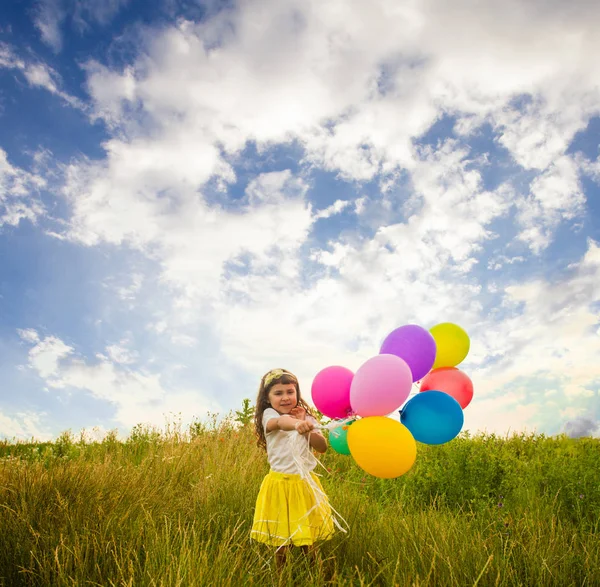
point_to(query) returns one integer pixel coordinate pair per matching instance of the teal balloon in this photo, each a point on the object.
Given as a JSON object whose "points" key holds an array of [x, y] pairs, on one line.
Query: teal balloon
{"points": [[433, 417], [338, 439]]}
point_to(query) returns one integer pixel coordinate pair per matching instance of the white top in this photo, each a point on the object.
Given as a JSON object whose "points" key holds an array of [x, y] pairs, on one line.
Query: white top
{"points": [[281, 443]]}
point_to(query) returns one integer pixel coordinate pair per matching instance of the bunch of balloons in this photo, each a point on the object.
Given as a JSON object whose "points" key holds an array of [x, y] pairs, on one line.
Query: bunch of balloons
{"points": [[380, 445]]}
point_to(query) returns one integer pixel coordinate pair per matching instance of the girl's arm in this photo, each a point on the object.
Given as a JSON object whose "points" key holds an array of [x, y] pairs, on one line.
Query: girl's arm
{"points": [[317, 441], [287, 423]]}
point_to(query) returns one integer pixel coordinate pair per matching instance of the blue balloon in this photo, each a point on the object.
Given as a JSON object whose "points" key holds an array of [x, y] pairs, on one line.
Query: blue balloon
{"points": [[433, 417]]}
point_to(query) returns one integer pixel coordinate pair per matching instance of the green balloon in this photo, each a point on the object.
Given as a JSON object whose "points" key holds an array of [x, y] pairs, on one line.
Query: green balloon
{"points": [[338, 438]]}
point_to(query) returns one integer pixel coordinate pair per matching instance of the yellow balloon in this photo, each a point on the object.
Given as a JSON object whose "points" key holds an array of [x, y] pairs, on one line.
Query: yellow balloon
{"points": [[452, 344], [381, 446]]}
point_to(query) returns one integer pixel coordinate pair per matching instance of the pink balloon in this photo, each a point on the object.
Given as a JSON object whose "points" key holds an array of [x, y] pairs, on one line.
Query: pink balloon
{"points": [[380, 386], [331, 391]]}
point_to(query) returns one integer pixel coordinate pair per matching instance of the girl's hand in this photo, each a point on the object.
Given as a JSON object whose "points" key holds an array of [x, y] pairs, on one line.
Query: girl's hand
{"points": [[304, 426], [299, 413]]}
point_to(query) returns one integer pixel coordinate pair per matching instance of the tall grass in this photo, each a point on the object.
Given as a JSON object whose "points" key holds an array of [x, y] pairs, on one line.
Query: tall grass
{"points": [[175, 508]]}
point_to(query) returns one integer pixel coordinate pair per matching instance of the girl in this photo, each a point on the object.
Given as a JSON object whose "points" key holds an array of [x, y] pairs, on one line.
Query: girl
{"points": [[291, 509]]}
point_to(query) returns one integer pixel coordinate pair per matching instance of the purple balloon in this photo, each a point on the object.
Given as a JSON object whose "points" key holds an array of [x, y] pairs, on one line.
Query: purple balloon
{"points": [[413, 344]]}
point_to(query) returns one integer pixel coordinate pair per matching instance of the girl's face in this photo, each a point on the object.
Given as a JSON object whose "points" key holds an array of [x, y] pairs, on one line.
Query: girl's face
{"points": [[283, 397]]}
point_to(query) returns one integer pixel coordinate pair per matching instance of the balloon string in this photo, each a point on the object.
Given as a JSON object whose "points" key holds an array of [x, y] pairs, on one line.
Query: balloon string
{"points": [[306, 461], [414, 390], [335, 423]]}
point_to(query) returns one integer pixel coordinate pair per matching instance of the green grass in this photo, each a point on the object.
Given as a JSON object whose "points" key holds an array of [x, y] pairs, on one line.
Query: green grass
{"points": [[173, 508]]}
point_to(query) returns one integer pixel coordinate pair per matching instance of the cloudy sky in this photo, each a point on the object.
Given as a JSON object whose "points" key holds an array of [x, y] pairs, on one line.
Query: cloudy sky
{"points": [[193, 192]]}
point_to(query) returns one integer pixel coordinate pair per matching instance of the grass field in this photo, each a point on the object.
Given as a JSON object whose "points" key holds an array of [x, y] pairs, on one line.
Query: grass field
{"points": [[174, 507]]}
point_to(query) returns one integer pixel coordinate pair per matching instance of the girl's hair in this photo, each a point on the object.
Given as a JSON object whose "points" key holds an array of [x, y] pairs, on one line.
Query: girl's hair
{"points": [[268, 380]]}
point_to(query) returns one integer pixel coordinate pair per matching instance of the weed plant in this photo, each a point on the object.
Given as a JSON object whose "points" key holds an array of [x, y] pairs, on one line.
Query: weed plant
{"points": [[174, 507]]}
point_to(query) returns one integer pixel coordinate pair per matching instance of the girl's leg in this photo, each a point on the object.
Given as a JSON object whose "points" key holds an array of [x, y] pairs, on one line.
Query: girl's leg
{"points": [[281, 556], [310, 552]]}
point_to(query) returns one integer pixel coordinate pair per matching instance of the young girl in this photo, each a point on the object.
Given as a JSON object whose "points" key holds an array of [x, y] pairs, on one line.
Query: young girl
{"points": [[290, 509]]}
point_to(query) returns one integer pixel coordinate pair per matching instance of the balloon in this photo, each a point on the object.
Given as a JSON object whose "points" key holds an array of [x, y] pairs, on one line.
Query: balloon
{"points": [[413, 344], [338, 439], [382, 447], [331, 391], [452, 381], [452, 344], [380, 386], [433, 417]]}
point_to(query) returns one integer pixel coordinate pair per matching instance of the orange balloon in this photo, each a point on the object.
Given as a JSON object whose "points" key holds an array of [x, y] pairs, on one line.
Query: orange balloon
{"points": [[381, 446]]}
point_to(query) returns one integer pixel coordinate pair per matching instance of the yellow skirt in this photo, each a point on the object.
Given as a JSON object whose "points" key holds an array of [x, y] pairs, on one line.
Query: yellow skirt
{"points": [[286, 512]]}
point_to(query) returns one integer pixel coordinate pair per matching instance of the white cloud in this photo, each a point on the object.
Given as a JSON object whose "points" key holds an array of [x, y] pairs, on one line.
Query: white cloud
{"points": [[571, 412], [555, 196], [111, 92], [129, 292], [158, 327], [367, 80], [192, 240], [335, 208], [29, 335], [397, 277], [50, 16], [86, 11], [591, 168], [184, 340], [502, 260], [23, 426], [539, 133], [46, 355], [48, 19], [574, 390], [120, 354], [367, 77], [18, 194], [504, 415], [138, 396], [396, 86], [37, 74], [549, 334], [41, 76]]}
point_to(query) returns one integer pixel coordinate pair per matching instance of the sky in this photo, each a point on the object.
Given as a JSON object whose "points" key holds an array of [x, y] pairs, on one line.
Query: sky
{"points": [[193, 192]]}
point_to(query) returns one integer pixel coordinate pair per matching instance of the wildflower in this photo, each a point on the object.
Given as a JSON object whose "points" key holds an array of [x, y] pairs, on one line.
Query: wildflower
{"points": [[581, 496], [500, 504]]}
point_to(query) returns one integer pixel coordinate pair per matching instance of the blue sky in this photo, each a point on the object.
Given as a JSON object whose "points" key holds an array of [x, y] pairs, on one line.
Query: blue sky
{"points": [[193, 193]]}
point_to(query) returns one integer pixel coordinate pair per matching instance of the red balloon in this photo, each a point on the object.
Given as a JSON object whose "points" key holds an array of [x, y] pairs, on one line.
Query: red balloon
{"points": [[452, 381]]}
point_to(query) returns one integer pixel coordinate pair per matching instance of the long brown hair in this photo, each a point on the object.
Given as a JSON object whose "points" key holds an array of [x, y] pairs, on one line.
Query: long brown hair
{"points": [[262, 400]]}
